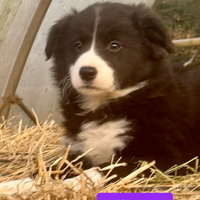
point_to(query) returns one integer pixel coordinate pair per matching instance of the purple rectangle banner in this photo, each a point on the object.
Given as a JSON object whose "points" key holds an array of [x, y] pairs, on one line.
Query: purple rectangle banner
{"points": [[134, 196]]}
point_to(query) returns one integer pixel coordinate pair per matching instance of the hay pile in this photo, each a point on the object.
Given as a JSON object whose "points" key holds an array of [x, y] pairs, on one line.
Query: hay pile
{"points": [[25, 151]]}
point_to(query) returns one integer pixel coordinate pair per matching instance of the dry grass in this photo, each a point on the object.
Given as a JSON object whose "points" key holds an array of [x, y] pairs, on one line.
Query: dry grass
{"points": [[27, 150]]}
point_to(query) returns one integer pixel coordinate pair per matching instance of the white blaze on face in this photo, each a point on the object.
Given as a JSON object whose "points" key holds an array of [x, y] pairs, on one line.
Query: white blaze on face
{"points": [[104, 81]]}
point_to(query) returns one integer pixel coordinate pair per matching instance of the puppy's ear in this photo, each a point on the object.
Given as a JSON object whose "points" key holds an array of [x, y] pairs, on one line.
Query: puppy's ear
{"points": [[156, 35], [51, 41], [56, 35]]}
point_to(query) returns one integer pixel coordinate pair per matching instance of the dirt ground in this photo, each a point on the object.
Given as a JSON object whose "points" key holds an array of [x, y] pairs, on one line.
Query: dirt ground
{"points": [[183, 20]]}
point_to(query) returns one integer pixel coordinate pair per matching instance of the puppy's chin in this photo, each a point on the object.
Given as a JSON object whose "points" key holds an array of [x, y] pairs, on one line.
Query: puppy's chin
{"points": [[94, 91]]}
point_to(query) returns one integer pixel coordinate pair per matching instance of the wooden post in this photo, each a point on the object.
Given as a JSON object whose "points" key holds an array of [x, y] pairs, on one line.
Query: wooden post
{"points": [[23, 54], [187, 42]]}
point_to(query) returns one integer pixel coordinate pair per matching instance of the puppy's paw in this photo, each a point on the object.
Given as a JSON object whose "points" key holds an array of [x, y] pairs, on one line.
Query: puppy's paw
{"points": [[20, 187], [88, 179]]}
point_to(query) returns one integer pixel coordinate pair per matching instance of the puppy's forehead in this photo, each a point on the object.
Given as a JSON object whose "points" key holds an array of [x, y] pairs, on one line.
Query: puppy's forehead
{"points": [[114, 13], [115, 23], [105, 12], [83, 22], [114, 10], [114, 19]]}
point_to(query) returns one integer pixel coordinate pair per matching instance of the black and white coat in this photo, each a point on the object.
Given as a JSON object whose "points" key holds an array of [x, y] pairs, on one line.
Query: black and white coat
{"points": [[120, 95]]}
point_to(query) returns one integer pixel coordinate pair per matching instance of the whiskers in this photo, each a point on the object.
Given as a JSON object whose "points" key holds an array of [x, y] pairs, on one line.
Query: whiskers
{"points": [[66, 85], [67, 89]]}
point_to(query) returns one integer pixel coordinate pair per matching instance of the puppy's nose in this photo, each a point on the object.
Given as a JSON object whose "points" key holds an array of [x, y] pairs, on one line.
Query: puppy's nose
{"points": [[87, 73]]}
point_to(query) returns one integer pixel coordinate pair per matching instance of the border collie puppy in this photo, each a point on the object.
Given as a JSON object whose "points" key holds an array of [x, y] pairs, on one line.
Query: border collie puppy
{"points": [[120, 96]]}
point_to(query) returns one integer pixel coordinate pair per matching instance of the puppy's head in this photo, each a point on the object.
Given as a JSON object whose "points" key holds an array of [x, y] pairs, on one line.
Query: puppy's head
{"points": [[108, 48]]}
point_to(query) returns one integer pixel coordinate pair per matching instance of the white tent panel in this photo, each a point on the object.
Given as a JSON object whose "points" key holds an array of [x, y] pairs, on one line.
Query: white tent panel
{"points": [[36, 87]]}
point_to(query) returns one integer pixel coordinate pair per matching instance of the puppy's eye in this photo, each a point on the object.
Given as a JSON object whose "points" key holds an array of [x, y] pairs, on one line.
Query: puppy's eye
{"points": [[78, 46], [114, 46]]}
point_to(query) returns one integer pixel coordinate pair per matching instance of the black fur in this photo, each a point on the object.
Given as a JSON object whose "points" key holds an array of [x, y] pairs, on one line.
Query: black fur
{"points": [[165, 114]]}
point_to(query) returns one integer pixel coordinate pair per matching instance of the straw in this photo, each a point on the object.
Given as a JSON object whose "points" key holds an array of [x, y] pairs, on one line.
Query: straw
{"points": [[25, 151]]}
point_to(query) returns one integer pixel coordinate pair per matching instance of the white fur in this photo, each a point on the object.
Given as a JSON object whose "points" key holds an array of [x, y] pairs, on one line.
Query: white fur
{"points": [[104, 80], [102, 139]]}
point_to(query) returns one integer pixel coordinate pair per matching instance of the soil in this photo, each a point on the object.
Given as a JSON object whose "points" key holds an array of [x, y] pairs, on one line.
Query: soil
{"points": [[182, 17]]}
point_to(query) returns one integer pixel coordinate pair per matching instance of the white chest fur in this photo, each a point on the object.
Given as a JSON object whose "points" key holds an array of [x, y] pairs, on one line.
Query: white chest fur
{"points": [[103, 139]]}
